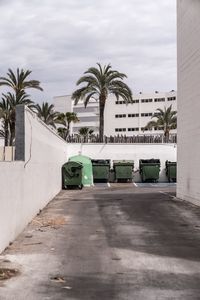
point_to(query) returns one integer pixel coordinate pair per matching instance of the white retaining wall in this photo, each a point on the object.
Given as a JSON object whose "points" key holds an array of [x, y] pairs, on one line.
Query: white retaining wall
{"points": [[27, 186], [129, 152], [188, 186]]}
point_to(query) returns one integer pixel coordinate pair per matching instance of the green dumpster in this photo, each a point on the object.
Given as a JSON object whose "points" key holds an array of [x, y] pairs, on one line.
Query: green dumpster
{"points": [[171, 171], [72, 175], [149, 169], [101, 169], [123, 170], [87, 177]]}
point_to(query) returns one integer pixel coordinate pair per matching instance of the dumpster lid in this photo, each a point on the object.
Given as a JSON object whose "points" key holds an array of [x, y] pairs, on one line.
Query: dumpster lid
{"points": [[123, 162], [73, 163], [150, 161], [101, 161], [170, 162]]}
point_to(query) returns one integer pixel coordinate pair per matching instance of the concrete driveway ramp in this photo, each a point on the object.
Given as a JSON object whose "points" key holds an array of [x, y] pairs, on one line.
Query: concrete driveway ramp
{"points": [[87, 179]]}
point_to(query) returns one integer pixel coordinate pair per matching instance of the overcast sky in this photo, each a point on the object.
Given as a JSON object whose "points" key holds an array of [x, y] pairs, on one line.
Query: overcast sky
{"points": [[59, 39]]}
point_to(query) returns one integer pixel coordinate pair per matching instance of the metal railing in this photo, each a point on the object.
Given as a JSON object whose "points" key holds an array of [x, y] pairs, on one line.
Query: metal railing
{"points": [[140, 139]]}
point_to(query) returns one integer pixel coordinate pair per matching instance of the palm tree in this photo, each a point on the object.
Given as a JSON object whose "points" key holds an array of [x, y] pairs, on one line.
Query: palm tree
{"points": [[84, 132], [18, 83], [62, 131], [14, 100], [66, 119], [166, 119], [100, 82], [5, 118], [46, 113]]}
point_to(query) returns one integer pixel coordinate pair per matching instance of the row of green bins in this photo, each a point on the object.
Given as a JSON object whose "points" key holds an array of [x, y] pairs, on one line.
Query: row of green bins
{"points": [[77, 172], [171, 171], [123, 170], [149, 169], [101, 169], [72, 173]]}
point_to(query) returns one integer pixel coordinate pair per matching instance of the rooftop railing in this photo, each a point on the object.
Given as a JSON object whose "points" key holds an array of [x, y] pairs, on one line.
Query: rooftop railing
{"points": [[143, 139]]}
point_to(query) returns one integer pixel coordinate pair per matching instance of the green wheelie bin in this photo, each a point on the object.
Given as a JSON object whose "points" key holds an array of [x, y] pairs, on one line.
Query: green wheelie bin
{"points": [[123, 170], [101, 170], [72, 175], [171, 171], [149, 169]]}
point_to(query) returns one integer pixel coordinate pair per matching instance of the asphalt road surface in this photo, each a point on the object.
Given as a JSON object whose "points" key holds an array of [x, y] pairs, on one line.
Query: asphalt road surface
{"points": [[121, 242]]}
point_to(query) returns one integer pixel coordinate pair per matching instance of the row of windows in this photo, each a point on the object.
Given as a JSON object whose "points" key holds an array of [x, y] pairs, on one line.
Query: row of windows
{"points": [[146, 115], [133, 115], [171, 98], [124, 129], [120, 116], [136, 129], [148, 100], [159, 100]]}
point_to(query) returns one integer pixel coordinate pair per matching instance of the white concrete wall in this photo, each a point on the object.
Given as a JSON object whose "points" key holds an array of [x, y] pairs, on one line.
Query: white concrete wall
{"points": [[129, 152], [27, 186], [188, 187]]}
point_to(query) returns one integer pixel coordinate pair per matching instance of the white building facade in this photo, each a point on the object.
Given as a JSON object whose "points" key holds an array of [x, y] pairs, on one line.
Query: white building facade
{"points": [[188, 187], [119, 117]]}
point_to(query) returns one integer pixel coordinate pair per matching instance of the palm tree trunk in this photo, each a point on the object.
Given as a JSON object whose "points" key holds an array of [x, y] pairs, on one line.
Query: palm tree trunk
{"points": [[68, 129], [101, 118], [12, 134], [166, 136], [6, 133]]}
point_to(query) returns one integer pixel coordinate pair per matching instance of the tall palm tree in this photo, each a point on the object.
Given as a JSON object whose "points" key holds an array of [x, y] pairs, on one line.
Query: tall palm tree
{"points": [[46, 113], [18, 82], [5, 119], [66, 119], [100, 82], [166, 119], [14, 100]]}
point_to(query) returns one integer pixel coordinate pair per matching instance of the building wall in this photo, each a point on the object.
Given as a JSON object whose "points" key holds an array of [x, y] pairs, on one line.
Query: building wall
{"points": [[188, 187], [27, 186], [136, 115], [119, 118], [129, 152]]}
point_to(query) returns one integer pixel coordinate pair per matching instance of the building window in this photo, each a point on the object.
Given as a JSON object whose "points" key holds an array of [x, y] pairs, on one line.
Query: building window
{"points": [[144, 129], [146, 115], [171, 98], [133, 115], [133, 129], [120, 102], [146, 100], [120, 129], [120, 116], [159, 100], [159, 128], [135, 101]]}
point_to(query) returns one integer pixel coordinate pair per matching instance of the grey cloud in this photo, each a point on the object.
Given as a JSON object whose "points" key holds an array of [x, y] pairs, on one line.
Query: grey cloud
{"points": [[58, 40]]}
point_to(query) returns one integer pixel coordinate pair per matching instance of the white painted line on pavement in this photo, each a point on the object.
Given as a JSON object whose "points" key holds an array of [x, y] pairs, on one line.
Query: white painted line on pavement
{"points": [[108, 184], [135, 184]]}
